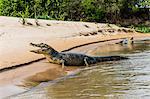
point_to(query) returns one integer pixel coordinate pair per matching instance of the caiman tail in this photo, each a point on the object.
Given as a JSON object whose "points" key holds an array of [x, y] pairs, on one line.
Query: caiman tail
{"points": [[110, 58]]}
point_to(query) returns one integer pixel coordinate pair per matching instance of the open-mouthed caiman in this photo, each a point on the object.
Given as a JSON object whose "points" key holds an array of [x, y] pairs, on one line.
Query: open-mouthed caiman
{"points": [[70, 59]]}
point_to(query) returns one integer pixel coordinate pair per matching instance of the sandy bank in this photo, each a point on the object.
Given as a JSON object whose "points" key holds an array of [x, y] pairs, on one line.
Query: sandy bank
{"points": [[15, 39]]}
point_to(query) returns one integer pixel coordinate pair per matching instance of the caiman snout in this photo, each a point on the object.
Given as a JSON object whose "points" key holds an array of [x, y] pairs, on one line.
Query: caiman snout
{"points": [[34, 51], [36, 45], [41, 45], [38, 51], [44, 48]]}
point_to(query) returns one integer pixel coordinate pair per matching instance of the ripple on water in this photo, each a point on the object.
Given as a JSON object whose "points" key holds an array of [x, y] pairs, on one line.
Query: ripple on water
{"points": [[110, 80]]}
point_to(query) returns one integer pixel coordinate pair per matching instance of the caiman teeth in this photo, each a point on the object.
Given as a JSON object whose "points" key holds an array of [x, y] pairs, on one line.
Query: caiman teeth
{"points": [[33, 51], [35, 45], [32, 44]]}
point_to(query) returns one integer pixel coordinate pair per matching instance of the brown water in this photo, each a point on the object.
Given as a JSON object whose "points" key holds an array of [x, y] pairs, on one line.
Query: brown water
{"points": [[126, 79]]}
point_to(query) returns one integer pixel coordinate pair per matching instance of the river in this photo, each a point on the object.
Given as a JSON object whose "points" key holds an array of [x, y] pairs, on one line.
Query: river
{"points": [[125, 79]]}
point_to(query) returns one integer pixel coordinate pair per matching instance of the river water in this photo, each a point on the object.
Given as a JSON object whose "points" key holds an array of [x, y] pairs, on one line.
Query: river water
{"points": [[126, 79]]}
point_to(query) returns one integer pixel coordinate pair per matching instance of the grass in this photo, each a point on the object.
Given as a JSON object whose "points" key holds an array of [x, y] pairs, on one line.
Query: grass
{"points": [[142, 28]]}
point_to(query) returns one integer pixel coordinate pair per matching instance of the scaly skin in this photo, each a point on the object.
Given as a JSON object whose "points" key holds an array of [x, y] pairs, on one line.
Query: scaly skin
{"points": [[70, 59], [127, 41]]}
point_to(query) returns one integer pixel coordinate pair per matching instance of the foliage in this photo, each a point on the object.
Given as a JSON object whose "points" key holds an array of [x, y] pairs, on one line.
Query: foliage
{"points": [[144, 3], [83, 10], [143, 29], [92, 10]]}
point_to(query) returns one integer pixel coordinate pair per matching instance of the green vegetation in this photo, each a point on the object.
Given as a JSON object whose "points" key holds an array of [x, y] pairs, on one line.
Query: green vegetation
{"points": [[110, 11], [143, 29]]}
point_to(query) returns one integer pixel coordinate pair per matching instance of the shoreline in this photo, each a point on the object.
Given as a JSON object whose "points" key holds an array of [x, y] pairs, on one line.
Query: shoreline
{"points": [[14, 45], [69, 49], [26, 77]]}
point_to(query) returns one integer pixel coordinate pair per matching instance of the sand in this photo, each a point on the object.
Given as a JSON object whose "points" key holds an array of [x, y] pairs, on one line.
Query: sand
{"points": [[61, 35]]}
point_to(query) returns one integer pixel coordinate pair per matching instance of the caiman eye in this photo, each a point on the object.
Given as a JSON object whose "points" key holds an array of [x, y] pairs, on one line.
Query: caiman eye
{"points": [[43, 49]]}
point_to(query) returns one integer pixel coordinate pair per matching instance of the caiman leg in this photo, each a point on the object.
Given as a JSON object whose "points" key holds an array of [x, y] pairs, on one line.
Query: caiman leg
{"points": [[58, 61], [85, 61], [63, 63]]}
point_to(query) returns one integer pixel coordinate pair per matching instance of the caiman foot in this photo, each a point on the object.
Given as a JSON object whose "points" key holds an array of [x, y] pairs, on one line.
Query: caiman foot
{"points": [[85, 61], [63, 64]]}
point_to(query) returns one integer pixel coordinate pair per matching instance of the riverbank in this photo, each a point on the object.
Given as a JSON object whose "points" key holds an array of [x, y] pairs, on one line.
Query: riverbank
{"points": [[14, 47]]}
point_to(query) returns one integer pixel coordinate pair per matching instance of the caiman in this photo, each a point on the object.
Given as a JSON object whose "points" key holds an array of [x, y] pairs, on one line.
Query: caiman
{"points": [[70, 59], [126, 41]]}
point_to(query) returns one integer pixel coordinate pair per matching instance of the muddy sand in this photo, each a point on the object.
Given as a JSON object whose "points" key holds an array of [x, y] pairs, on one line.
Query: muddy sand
{"points": [[62, 35]]}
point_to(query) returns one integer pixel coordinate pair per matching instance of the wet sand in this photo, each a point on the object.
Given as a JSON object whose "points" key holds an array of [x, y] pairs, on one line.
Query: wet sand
{"points": [[14, 48]]}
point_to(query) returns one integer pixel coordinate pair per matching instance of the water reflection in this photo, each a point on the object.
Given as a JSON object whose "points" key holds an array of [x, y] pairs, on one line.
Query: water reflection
{"points": [[113, 49], [110, 80]]}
